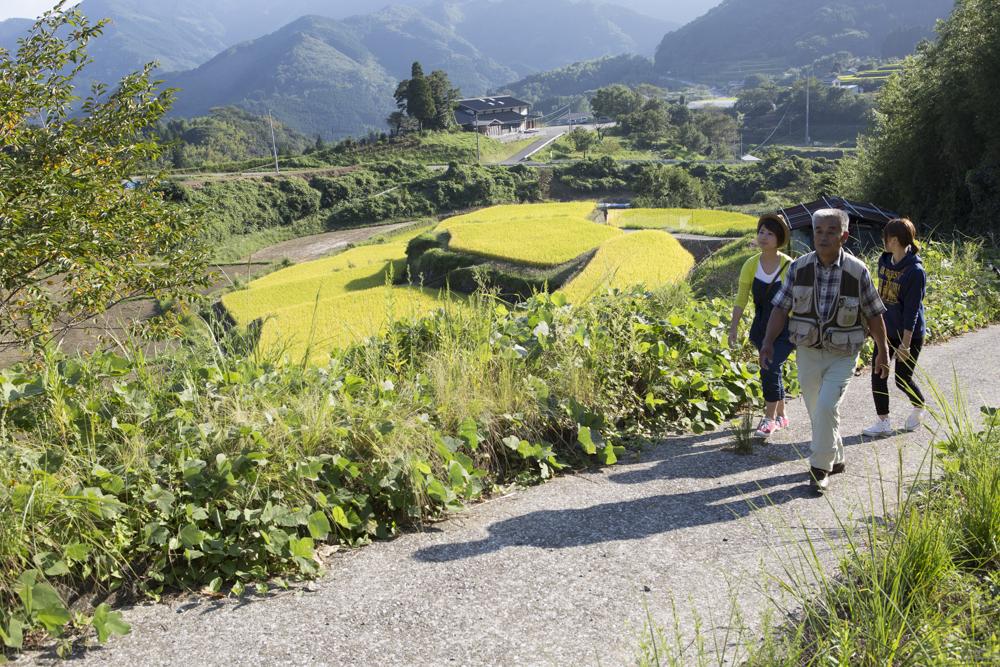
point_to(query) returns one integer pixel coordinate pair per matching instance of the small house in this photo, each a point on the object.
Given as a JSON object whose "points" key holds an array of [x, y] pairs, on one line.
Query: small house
{"points": [[494, 116]]}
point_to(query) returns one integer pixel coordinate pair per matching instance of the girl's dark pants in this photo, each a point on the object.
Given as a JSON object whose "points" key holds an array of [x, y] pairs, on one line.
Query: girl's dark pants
{"points": [[904, 377], [770, 379]]}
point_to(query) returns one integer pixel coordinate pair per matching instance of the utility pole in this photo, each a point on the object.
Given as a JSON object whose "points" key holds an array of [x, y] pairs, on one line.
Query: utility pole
{"points": [[808, 73], [475, 125], [274, 145]]}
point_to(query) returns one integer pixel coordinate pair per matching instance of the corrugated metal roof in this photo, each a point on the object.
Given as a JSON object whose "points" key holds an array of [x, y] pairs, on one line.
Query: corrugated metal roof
{"points": [[801, 215]]}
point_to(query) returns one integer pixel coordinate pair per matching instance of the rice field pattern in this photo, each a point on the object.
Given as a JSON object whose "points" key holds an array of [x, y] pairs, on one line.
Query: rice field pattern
{"points": [[532, 234], [651, 258], [309, 309]]}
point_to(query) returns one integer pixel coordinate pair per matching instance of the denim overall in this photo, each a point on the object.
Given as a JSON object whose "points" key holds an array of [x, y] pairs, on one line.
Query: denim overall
{"points": [[770, 379]]}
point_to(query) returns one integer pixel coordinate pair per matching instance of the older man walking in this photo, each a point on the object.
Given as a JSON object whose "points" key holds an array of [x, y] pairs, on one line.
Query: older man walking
{"points": [[827, 298]]}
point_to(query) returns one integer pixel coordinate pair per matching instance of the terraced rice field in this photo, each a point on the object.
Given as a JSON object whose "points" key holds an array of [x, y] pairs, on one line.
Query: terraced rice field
{"points": [[332, 302], [533, 234], [703, 221], [311, 330], [651, 258]]}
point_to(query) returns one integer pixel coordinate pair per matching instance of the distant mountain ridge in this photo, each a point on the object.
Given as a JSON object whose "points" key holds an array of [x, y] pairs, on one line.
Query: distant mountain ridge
{"points": [[741, 36], [335, 76]]}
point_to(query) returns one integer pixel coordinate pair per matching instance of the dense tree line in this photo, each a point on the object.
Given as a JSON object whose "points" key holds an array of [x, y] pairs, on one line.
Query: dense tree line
{"points": [[228, 134], [647, 119], [934, 151], [835, 113], [777, 180]]}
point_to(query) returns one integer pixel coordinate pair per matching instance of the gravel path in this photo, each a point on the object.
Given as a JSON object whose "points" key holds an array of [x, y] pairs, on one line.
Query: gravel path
{"points": [[563, 573]]}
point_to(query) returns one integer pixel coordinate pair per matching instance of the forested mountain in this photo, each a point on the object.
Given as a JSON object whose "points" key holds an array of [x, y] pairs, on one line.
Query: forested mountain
{"points": [[581, 77], [314, 74], [182, 34], [743, 36]]}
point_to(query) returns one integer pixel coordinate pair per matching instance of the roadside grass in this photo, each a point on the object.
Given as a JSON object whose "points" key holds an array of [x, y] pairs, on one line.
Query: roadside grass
{"points": [[706, 222], [650, 258], [533, 234]]}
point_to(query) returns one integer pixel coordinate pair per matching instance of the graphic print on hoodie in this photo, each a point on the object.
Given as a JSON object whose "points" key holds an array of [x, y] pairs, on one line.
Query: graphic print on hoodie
{"points": [[902, 287]]}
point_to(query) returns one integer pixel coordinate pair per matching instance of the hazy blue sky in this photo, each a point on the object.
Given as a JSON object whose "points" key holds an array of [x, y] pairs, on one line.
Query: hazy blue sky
{"points": [[23, 8], [678, 10]]}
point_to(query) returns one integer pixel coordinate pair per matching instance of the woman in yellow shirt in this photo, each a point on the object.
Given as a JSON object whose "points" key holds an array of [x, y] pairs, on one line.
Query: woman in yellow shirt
{"points": [[761, 277]]}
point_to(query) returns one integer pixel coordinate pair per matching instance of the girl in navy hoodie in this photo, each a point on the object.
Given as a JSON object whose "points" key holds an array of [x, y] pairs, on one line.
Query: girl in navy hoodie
{"points": [[902, 281]]}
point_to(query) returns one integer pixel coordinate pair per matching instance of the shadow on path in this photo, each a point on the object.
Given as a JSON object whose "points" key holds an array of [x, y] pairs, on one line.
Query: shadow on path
{"points": [[629, 520]]}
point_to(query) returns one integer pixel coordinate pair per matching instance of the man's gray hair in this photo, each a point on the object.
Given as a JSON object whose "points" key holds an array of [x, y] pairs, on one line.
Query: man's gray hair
{"points": [[833, 214]]}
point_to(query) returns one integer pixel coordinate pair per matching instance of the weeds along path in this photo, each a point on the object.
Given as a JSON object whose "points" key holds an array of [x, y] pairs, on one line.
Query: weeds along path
{"points": [[564, 573]]}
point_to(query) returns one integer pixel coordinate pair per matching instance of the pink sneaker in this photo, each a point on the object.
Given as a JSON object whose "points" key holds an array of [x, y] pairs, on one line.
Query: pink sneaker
{"points": [[782, 422], [766, 428]]}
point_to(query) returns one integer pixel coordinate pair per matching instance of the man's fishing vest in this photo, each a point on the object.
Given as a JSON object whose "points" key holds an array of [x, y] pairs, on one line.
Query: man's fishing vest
{"points": [[844, 332]]}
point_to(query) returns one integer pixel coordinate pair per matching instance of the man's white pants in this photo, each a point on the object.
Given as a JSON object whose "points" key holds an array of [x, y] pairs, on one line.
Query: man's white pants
{"points": [[824, 376]]}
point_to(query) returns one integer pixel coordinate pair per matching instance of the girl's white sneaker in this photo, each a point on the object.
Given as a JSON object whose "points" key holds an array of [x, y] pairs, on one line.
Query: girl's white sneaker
{"points": [[882, 426], [915, 419]]}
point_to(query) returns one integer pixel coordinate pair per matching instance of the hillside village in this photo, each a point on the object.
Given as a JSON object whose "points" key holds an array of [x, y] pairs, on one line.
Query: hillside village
{"points": [[449, 331]]}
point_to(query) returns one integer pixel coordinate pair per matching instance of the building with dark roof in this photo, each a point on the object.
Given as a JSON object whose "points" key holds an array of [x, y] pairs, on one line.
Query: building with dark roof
{"points": [[867, 222], [494, 116]]}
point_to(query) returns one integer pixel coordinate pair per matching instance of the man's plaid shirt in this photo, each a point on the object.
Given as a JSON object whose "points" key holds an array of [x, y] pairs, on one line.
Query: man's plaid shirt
{"points": [[828, 286]]}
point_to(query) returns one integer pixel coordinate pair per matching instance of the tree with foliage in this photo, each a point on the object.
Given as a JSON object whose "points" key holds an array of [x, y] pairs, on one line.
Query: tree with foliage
{"points": [[75, 236], [420, 98], [663, 186], [228, 134], [445, 98], [649, 124], [429, 100], [583, 140], [615, 101], [934, 150], [399, 122]]}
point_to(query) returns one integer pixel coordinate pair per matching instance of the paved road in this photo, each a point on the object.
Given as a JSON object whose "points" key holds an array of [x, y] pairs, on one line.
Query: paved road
{"points": [[546, 135], [562, 574]]}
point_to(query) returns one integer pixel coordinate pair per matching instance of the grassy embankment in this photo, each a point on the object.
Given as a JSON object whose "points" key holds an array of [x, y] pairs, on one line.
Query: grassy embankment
{"points": [[615, 147], [419, 148]]}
